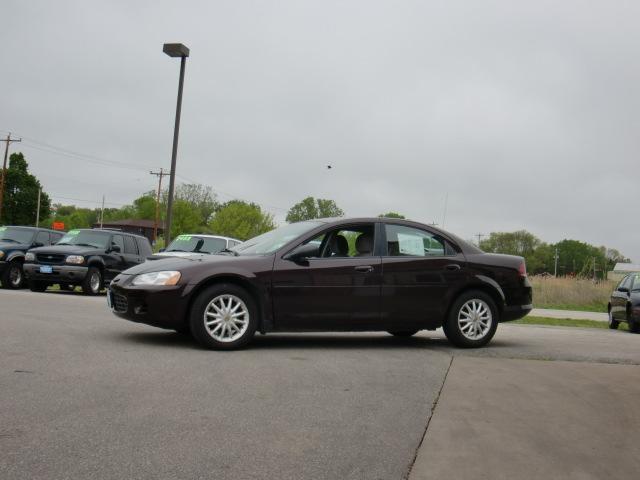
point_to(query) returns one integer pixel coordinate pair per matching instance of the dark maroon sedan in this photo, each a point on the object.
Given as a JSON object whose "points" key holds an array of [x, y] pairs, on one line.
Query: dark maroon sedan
{"points": [[358, 274]]}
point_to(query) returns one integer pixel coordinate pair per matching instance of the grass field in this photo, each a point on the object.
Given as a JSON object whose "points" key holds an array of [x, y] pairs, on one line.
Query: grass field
{"points": [[571, 293], [566, 322]]}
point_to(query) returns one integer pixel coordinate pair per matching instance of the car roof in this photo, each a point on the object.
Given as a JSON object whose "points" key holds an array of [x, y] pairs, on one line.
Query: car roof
{"points": [[108, 230], [26, 227]]}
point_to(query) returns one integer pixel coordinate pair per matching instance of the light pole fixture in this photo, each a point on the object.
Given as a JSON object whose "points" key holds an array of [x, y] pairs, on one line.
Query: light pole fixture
{"points": [[174, 50]]}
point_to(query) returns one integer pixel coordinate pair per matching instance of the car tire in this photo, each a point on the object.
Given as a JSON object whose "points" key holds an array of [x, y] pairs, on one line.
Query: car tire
{"points": [[613, 324], [223, 317], [92, 283], [472, 320], [13, 276], [404, 333], [634, 326], [37, 286]]}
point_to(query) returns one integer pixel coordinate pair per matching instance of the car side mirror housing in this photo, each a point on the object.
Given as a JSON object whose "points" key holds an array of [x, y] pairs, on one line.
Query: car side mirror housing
{"points": [[302, 253], [623, 289], [115, 248], [162, 250]]}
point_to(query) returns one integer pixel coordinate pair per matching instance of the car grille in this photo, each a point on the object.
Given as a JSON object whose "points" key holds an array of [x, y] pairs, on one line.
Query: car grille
{"points": [[120, 303], [50, 258]]}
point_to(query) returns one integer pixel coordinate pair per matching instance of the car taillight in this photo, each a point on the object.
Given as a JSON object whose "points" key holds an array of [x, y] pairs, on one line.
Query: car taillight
{"points": [[522, 269]]}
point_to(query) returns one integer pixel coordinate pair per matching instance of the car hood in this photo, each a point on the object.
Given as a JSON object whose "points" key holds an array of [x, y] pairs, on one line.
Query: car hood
{"points": [[14, 246], [67, 250], [187, 263]]}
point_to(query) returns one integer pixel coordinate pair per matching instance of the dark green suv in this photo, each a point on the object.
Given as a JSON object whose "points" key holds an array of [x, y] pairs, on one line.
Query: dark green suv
{"points": [[87, 258], [14, 243]]}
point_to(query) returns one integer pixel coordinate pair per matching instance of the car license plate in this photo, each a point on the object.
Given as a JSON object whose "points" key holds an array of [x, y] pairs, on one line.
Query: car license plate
{"points": [[46, 269]]}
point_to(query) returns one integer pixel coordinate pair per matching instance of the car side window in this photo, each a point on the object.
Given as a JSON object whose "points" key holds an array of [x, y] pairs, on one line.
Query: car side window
{"points": [[403, 241], [344, 242], [118, 240], [635, 278], [130, 246], [42, 238]]}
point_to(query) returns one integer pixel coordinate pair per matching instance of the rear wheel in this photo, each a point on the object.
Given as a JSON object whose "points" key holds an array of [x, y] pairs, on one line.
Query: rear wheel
{"points": [[472, 320], [406, 333], [92, 283], [37, 286], [613, 324], [224, 317], [634, 326], [13, 277]]}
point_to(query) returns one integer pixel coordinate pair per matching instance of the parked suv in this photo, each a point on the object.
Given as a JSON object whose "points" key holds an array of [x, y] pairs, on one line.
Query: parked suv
{"points": [[87, 258], [14, 243]]}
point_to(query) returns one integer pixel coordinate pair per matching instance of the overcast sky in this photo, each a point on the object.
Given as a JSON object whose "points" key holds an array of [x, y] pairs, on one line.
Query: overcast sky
{"points": [[526, 114]]}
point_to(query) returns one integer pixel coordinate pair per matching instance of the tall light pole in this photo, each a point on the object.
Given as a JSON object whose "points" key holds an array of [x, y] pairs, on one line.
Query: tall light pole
{"points": [[174, 50]]}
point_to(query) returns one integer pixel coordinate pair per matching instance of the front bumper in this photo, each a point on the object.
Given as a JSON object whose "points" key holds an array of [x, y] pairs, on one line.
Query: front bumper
{"points": [[514, 312], [158, 306], [73, 274]]}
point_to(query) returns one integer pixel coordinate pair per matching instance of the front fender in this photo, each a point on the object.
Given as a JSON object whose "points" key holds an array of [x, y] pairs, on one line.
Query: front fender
{"points": [[95, 260], [16, 255]]}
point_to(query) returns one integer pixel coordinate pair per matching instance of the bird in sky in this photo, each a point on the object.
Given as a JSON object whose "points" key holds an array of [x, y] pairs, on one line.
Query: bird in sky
{"points": [[329, 167]]}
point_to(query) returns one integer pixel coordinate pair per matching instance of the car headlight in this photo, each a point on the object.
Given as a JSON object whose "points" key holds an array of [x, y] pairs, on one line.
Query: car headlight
{"points": [[157, 278], [29, 257], [1, 254], [76, 259]]}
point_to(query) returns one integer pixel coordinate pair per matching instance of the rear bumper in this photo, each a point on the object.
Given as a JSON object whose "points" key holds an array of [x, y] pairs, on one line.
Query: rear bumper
{"points": [[61, 273], [514, 312]]}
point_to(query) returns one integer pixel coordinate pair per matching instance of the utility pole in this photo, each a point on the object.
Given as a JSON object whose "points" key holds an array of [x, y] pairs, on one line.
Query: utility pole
{"points": [[38, 209], [159, 174], [555, 269], [102, 213], [594, 269], [480, 235], [8, 140]]}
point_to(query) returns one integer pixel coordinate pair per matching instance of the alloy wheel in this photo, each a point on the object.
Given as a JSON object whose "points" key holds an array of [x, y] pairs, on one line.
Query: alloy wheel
{"points": [[94, 282], [15, 276], [226, 318], [475, 319]]}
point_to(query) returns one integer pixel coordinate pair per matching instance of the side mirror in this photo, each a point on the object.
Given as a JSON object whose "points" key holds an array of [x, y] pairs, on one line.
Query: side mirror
{"points": [[302, 252], [37, 244], [623, 289], [115, 248], [162, 250]]}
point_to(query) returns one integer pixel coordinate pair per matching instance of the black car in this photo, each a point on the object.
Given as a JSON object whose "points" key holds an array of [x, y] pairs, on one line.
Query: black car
{"points": [[624, 305], [360, 274], [14, 243], [87, 258]]}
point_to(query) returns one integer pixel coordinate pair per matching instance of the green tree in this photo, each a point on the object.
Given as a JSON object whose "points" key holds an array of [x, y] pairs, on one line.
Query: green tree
{"points": [[73, 217], [201, 197], [185, 218], [311, 208], [391, 215], [21, 195], [241, 220], [145, 207], [520, 243]]}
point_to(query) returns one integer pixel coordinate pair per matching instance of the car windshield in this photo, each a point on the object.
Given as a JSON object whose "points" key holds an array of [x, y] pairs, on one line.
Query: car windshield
{"points": [[194, 243], [271, 241], [85, 238], [16, 235]]}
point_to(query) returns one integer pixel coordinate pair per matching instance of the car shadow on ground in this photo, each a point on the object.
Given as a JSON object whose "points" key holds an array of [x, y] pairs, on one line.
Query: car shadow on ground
{"points": [[309, 341]]}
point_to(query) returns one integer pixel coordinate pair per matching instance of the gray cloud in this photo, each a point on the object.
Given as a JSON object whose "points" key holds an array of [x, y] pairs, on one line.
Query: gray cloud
{"points": [[524, 113]]}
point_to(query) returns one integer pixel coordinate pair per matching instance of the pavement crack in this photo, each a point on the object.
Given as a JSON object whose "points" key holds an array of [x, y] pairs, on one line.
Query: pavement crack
{"points": [[426, 427]]}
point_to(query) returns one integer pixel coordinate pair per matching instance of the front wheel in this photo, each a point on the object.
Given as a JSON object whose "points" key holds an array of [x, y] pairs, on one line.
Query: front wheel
{"points": [[613, 324], [92, 283], [472, 320], [223, 317], [13, 277]]}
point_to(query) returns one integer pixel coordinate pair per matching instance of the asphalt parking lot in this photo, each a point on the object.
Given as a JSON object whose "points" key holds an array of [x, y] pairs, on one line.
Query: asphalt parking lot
{"points": [[86, 395]]}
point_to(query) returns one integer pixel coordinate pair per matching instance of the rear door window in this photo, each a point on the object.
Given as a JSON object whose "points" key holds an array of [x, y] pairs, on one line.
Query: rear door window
{"points": [[403, 241], [118, 240], [130, 246]]}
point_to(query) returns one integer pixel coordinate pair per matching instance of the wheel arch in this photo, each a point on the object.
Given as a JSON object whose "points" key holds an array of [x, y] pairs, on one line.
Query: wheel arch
{"points": [[17, 256], [485, 285]]}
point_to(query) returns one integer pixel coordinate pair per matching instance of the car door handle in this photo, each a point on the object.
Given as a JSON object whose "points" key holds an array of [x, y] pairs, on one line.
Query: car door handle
{"points": [[453, 266], [364, 268]]}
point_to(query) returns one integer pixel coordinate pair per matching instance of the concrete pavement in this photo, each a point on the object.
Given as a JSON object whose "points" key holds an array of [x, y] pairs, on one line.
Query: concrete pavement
{"points": [[86, 395], [525, 419]]}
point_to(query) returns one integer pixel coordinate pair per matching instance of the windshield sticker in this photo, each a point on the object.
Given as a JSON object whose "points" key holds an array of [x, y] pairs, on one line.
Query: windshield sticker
{"points": [[73, 232], [185, 238], [2, 229], [410, 245]]}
